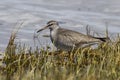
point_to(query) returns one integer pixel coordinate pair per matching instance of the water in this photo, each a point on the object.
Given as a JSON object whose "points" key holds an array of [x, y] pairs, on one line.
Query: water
{"points": [[75, 13]]}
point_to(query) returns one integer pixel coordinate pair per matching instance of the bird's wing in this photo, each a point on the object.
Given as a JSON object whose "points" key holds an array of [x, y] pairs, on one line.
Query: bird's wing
{"points": [[70, 37]]}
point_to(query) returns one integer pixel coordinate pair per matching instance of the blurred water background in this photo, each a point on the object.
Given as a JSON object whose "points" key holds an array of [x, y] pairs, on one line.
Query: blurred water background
{"points": [[75, 14]]}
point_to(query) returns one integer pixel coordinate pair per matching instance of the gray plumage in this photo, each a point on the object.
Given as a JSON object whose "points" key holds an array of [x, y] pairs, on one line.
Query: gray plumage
{"points": [[65, 39]]}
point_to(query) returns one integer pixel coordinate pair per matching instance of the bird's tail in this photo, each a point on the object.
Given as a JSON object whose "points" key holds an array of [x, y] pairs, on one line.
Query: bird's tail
{"points": [[104, 39]]}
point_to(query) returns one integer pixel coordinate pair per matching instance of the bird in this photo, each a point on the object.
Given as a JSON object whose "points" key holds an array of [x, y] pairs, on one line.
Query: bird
{"points": [[67, 40]]}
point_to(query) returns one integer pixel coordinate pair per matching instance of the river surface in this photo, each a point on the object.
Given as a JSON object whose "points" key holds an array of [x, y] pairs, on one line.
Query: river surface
{"points": [[75, 15]]}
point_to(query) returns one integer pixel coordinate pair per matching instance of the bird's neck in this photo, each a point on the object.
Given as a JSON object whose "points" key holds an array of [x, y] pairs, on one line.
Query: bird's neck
{"points": [[53, 33]]}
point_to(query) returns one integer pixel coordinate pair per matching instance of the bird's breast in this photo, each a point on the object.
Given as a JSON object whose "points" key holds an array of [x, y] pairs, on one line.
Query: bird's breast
{"points": [[53, 36], [60, 41]]}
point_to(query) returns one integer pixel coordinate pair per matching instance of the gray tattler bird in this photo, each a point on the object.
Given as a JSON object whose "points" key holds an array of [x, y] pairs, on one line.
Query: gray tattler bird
{"points": [[65, 39]]}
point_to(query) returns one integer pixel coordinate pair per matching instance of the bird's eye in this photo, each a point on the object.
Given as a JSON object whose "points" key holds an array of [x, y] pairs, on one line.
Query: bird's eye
{"points": [[50, 24]]}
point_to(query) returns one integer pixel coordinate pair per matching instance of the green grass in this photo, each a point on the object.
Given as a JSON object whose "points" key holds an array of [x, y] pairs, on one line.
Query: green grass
{"points": [[101, 63]]}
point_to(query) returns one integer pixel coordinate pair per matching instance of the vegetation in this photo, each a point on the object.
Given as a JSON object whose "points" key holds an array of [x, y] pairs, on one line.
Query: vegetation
{"points": [[101, 63]]}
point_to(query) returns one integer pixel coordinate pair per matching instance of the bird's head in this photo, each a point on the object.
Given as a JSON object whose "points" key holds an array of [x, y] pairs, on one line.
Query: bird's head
{"points": [[51, 25]]}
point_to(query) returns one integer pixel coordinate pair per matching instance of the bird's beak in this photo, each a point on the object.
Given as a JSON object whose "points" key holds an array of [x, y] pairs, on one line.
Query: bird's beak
{"points": [[42, 28]]}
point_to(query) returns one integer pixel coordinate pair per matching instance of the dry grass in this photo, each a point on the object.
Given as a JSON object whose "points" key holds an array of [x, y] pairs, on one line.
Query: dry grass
{"points": [[102, 63]]}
